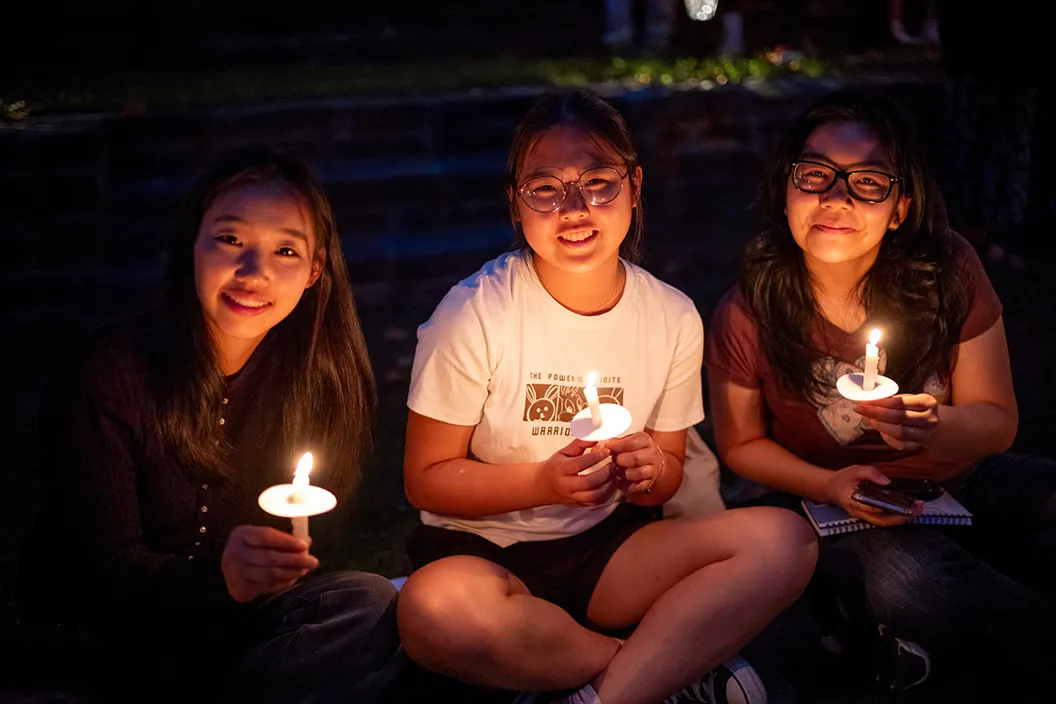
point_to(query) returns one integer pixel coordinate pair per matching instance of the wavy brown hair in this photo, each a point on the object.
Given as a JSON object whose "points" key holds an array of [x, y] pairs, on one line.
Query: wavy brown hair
{"points": [[585, 110], [321, 377], [913, 289]]}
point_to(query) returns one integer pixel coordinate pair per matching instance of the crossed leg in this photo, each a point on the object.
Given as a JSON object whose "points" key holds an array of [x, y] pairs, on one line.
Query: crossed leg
{"points": [[697, 588]]}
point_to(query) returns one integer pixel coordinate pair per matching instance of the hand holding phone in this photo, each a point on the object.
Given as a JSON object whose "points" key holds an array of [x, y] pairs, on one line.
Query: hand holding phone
{"points": [[842, 483], [885, 499]]}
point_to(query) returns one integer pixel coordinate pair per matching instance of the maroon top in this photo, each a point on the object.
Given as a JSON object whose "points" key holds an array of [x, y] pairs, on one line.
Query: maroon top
{"points": [[826, 431]]}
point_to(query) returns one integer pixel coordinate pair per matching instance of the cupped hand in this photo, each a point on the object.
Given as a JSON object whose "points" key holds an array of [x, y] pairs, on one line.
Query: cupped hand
{"points": [[841, 486], [904, 421], [261, 560], [563, 481], [639, 461]]}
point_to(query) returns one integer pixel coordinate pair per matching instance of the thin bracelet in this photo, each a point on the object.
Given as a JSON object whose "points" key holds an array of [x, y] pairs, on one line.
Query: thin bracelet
{"points": [[663, 463]]}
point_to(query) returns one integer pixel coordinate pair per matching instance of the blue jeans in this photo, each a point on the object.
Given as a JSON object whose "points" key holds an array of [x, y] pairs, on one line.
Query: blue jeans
{"points": [[980, 599], [329, 639]]}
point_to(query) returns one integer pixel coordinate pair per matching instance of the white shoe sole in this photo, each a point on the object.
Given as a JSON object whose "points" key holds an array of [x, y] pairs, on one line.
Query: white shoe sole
{"points": [[740, 685]]}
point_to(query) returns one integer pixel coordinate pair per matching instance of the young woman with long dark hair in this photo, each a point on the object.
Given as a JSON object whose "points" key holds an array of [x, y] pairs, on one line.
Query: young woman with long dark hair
{"points": [[856, 238], [158, 441]]}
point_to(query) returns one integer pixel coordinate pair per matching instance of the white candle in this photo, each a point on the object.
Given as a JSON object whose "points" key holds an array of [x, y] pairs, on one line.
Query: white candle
{"points": [[300, 481], [591, 392], [297, 500], [872, 356]]}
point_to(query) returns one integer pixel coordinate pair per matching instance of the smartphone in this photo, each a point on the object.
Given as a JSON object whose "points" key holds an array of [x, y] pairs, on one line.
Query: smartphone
{"points": [[883, 498], [918, 488]]}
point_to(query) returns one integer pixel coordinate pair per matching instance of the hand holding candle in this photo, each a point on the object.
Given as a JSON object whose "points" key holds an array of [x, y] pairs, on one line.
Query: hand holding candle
{"points": [[260, 560], [299, 500]]}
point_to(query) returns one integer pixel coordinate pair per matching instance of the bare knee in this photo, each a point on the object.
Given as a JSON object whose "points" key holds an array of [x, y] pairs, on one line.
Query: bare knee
{"points": [[782, 543], [447, 611]]}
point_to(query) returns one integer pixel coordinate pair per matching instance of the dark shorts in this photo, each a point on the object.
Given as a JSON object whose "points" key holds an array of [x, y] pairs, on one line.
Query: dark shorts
{"points": [[563, 571]]}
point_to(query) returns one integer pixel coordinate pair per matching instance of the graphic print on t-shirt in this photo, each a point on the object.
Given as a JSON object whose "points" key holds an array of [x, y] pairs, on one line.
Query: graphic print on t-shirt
{"points": [[837, 414], [551, 407]]}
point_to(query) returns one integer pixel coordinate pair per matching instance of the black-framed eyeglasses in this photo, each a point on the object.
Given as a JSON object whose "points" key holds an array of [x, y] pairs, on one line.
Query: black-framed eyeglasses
{"points": [[862, 184], [598, 186]]}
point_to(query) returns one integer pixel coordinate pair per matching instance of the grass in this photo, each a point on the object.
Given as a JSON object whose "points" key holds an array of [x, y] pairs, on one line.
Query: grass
{"points": [[139, 91]]}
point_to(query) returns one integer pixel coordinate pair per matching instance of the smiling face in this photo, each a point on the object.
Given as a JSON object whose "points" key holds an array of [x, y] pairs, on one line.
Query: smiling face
{"points": [[253, 258], [833, 227], [577, 237]]}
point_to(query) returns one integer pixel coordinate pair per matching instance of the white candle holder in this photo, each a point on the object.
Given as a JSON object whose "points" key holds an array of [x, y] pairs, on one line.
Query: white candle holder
{"points": [[615, 421], [296, 503], [851, 387]]}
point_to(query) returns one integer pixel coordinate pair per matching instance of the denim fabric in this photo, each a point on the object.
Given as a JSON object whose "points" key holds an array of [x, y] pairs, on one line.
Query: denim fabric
{"points": [[980, 599], [330, 639]]}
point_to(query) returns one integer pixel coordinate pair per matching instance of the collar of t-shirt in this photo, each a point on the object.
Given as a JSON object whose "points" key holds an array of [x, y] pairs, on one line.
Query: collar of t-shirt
{"points": [[839, 343], [558, 313]]}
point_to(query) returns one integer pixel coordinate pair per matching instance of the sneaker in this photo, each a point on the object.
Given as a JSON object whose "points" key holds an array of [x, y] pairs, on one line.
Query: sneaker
{"points": [[900, 663], [695, 692], [732, 682]]}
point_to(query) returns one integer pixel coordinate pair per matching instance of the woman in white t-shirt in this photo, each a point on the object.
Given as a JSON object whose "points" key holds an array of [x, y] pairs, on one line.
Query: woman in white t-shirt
{"points": [[527, 566]]}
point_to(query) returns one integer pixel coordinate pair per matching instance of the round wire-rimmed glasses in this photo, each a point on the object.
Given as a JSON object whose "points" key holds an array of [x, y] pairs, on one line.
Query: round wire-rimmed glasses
{"points": [[598, 186], [865, 185]]}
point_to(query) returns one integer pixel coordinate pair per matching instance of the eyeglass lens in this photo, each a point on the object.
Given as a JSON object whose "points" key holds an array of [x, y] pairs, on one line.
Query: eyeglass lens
{"points": [[546, 194], [864, 185]]}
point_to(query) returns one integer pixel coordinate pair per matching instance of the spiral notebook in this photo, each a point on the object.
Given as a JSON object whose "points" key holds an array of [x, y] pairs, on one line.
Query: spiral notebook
{"points": [[833, 520]]}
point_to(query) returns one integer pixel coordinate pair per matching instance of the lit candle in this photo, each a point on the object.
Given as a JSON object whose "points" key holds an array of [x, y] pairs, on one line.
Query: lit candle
{"points": [[871, 357], [300, 481], [299, 500], [591, 392]]}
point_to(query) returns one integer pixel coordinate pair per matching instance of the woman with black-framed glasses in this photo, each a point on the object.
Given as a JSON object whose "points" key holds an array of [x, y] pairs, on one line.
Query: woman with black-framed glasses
{"points": [[866, 185], [857, 239]]}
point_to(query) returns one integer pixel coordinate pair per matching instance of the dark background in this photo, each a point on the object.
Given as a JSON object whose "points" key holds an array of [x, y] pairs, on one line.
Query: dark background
{"points": [[416, 177]]}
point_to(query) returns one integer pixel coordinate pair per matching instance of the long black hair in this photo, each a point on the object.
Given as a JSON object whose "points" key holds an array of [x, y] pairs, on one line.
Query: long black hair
{"points": [[912, 290], [584, 110], [317, 356]]}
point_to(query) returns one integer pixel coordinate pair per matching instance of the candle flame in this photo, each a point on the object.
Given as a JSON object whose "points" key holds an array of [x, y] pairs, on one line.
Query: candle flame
{"points": [[874, 336], [592, 379], [304, 468]]}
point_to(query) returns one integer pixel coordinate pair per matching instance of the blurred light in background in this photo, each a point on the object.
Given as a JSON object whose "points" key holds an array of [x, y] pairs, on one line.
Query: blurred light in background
{"points": [[702, 10]]}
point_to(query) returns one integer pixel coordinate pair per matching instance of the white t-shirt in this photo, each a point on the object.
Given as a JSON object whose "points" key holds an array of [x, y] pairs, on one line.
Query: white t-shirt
{"points": [[501, 354]]}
